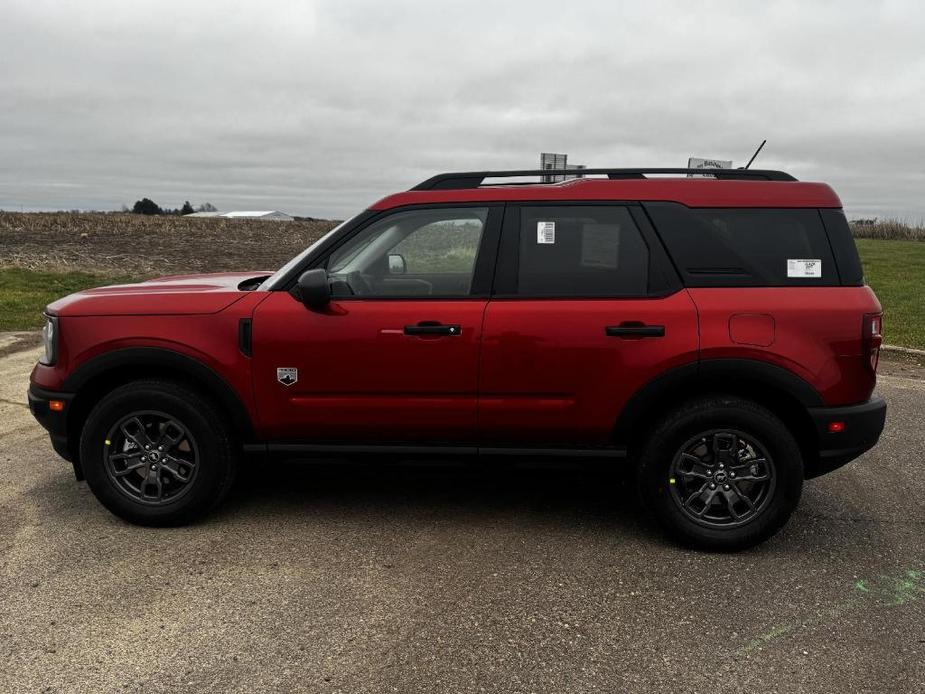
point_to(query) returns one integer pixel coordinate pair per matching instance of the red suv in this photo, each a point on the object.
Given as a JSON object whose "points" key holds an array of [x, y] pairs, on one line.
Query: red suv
{"points": [[713, 331]]}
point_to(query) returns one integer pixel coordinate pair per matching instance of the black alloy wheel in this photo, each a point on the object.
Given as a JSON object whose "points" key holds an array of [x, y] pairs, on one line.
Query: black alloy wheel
{"points": [[158, 453], [722, 478], [151, 457]]}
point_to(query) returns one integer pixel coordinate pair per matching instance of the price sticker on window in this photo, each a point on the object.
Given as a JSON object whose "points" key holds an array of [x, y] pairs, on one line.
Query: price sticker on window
{"points": [[545, 232], [804, 267]]}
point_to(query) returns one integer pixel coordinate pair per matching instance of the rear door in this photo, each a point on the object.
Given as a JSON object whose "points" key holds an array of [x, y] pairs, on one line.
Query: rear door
{"points": [[394, 357], [585, 310]]}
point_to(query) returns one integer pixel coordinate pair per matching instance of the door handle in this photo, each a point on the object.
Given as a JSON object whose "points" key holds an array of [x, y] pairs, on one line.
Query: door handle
{"points": [[428, 327], [634, 330]]}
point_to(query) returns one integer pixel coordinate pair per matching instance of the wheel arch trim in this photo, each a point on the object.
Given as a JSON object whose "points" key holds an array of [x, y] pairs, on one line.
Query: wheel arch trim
{"points": [[708, 373], [159, 358]]}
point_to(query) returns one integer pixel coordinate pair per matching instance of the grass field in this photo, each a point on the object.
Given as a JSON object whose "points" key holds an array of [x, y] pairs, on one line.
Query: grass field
{"points": [[25, 293], [896, 271]]}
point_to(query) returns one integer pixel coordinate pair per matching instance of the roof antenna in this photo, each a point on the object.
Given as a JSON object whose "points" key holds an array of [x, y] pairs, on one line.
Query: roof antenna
{"points": [[755, 154]]}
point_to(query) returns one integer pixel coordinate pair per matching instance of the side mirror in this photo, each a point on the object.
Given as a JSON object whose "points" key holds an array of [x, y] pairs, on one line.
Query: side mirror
{"points": [[397, 265], [314, 289]]}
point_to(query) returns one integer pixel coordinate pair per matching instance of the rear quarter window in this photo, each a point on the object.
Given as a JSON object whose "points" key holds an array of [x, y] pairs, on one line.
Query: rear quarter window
{"points": [[746, 247], [842, 242]]}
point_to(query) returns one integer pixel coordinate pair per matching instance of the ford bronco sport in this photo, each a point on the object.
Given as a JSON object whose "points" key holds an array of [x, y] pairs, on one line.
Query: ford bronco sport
{"points": [[715, 332]]}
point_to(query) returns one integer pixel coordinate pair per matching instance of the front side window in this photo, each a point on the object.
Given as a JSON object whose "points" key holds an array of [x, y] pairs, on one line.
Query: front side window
{"points": [[409, 254], [581, 251]]}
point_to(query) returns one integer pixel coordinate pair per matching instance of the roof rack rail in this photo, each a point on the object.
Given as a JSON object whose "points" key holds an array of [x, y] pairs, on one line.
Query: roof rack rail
{"points": [[474, 179]]}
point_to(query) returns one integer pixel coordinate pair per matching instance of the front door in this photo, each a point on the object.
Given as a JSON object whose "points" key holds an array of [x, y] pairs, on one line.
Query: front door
{"points": [[394, 357], [586, 311]]}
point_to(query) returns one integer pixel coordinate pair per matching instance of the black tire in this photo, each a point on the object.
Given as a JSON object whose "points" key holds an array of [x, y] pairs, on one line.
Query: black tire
{"points": [[205, 455], [700, 431]]}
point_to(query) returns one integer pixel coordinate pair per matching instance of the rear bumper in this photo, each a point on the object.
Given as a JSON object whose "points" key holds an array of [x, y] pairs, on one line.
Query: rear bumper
{"points": [[55, 422], [862, 425]]}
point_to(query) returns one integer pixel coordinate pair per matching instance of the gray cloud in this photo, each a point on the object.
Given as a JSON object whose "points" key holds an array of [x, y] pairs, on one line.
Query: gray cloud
{"points": [[320, 108]]}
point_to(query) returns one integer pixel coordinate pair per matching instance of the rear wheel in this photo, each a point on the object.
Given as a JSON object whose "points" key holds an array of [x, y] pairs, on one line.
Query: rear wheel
{"points": [[157, 453], [721, 473]]}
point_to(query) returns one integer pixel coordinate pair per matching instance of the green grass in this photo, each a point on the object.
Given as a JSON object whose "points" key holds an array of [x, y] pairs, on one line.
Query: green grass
{"points": [[896, 272], [25, 293]]}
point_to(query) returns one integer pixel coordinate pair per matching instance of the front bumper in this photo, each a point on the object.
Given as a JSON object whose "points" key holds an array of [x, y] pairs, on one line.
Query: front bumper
{"points": [[55, 422], [860, 431]]}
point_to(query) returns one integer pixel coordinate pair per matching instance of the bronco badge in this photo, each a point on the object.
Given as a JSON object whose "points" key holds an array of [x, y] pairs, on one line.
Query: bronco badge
{"points": [[287, 375]]}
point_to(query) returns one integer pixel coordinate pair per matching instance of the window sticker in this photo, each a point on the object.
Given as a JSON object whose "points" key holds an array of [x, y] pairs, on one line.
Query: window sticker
{"points": [[600, 246], [545, 232], [804, 267]]}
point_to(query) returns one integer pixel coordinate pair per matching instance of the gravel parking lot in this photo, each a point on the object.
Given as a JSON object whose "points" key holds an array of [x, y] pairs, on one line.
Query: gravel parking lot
{"points": [[333, 578]]}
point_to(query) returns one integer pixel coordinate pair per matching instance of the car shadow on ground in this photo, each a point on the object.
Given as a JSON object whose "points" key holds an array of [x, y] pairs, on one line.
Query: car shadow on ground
{"points": [[571, 492], [571, 496]]}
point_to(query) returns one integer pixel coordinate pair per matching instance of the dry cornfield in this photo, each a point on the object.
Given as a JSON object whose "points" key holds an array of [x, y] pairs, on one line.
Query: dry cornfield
{"points": [[148, 246], [888, 229]]}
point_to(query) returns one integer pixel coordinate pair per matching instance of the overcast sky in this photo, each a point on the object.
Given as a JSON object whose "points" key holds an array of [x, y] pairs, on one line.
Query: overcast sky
{"points": [[320, 108]]}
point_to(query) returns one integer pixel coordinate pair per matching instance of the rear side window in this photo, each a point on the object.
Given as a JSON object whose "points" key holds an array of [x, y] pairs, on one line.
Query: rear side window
{"points": [[746, 247], [581, 250]]}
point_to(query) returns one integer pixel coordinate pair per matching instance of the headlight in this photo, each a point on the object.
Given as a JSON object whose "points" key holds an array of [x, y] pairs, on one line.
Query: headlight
{"points": [[50, 340]]}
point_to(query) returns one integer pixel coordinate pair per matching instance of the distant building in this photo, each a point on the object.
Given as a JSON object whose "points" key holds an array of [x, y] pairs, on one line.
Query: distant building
{"points": [[274, 215], [260, 214]]}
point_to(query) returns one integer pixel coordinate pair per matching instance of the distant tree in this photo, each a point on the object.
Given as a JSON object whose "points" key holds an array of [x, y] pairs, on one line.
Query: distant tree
{"points": [[146, 206], [207, 207], [187, 208]]}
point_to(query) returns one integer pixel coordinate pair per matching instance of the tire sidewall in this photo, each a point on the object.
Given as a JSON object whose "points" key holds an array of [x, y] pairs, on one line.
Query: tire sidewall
{"points": [[193, 412], [666, 441]]}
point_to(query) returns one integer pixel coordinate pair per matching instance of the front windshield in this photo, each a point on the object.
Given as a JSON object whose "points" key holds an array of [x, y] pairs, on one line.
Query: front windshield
{"points": [[272, 280]]}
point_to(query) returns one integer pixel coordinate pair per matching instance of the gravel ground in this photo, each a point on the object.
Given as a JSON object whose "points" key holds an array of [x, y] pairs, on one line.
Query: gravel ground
{"points": [[329, 578]]}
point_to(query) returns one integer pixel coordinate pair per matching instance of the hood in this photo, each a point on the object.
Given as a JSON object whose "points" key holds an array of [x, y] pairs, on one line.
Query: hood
{"points": [[178, 295]]}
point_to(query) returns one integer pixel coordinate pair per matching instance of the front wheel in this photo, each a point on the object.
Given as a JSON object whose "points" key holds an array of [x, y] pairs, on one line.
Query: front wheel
{"points": [[721, 473], [157, 453]]}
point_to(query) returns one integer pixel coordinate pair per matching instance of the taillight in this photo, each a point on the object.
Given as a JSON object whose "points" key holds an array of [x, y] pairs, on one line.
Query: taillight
{"points": [[872, 338]]}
